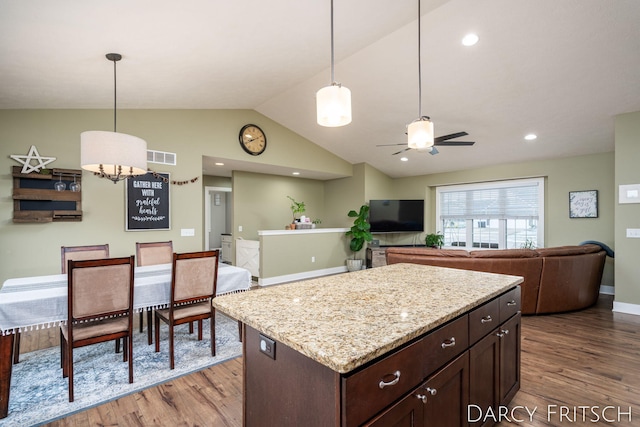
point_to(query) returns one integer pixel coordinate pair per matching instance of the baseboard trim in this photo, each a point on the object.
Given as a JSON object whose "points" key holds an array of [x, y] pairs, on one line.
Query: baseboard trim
{"points": [[607, 290], [276, 280], [626, 308]]}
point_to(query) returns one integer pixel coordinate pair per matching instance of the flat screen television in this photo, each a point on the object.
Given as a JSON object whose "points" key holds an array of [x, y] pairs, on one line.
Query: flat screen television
{"points": [[396, 216]]}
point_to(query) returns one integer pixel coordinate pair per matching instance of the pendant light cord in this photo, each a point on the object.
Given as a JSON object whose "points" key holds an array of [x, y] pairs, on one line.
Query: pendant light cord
{"points": [[419, 70], [333, 81], [115, 98]]}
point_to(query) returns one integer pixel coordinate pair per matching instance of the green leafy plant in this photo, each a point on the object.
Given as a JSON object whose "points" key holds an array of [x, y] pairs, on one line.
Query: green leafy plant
{"points": [[296, 208], [434, 240], [528, 244], [359, 232]]}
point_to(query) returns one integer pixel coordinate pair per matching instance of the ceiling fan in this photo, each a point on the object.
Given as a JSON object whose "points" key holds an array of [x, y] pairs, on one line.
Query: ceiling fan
{"points": [[441, 141]]}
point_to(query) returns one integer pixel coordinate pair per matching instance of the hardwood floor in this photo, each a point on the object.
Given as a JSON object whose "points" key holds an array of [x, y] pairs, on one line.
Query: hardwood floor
{"points": [[586, 359]]}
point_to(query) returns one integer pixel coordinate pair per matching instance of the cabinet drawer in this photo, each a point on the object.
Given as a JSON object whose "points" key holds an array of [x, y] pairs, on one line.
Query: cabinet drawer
{"points": [[483, 320], [443, 344], [367, 392], [510, 303]]}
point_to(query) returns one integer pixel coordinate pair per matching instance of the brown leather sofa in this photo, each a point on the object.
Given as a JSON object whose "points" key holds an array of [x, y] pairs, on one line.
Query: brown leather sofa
{"points": [[558, 279]]}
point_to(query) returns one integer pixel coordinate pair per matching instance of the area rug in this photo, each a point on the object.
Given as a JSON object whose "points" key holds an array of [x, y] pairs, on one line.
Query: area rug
{"points": [[40, 395]]}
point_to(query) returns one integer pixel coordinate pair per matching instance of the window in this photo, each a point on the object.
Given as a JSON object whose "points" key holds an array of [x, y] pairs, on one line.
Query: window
{"points": [[493, 215]]}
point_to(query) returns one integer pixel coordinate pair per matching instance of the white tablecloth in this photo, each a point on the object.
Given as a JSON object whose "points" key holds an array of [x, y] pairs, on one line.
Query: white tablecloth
{"points": [[41, 302]]}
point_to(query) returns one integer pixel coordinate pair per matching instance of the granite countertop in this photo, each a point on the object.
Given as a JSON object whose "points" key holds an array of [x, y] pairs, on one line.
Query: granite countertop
{"points": [[346, 320]]}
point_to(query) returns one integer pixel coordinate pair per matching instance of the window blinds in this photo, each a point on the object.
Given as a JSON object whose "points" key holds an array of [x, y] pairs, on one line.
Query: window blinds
{"points": [[500, 202]]}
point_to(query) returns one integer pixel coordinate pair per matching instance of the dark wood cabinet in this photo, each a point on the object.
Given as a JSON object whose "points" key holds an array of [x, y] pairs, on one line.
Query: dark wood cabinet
{"points": [[484, 371], [432, 381], [446, 395], [408, 412], [510, 337]]}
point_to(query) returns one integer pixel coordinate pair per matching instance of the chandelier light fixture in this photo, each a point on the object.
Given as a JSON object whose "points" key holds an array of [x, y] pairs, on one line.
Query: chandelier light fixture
{"points": [[333, 102], [420, 131], [112, 155]]}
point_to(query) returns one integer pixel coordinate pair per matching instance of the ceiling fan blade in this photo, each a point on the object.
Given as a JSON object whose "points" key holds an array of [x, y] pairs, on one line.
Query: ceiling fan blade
{"points": [[454, 143], [389, 145], [450, 136], [402, 151]]}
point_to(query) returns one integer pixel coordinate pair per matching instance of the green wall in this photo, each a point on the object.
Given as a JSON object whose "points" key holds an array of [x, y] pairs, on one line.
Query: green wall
{"points": [[627, 215], [34, 249], [259, 201]]}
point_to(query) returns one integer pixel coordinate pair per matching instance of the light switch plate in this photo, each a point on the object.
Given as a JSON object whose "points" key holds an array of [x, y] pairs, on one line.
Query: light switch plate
{"points": [[629, 193], [187, 232], [633, 233]]}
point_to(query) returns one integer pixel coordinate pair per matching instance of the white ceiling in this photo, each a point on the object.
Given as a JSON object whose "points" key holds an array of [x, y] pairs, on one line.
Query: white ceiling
{"points": [[559, 68]]}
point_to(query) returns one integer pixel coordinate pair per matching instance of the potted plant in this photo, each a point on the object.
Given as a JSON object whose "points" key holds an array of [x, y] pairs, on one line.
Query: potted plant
{"points": [[434, 240], [359, 233], [296, 208]]}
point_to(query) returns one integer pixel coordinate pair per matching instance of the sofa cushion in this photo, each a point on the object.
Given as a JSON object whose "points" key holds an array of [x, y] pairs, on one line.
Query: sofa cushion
{"points": [[457, 253], [505, 253], [569, 250]]}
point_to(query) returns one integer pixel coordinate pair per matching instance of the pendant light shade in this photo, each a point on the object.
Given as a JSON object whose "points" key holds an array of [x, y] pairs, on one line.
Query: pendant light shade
{"points": [[112, 155], [334, 106], [333, 102], [421, 133]]}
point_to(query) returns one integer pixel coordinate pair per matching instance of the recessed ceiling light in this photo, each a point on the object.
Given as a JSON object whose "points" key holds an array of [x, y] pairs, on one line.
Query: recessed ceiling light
{"points": [[404, 159], [295, 173], [219, 164], [470, 39], [530, 137]]}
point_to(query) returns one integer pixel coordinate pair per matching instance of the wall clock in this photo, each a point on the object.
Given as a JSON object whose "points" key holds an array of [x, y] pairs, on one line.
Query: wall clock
{"points": [[252, 139]]}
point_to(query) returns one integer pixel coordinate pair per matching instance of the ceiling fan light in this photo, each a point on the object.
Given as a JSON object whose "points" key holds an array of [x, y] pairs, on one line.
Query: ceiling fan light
{"points": [[420, 134], [333, 106], [102, 151]]}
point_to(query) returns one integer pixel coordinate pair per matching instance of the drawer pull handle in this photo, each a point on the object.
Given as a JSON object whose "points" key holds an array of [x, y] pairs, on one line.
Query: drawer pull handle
{"points": [[384, 384], [512, 302], [486, 319], [502, 333], [449, 343]]}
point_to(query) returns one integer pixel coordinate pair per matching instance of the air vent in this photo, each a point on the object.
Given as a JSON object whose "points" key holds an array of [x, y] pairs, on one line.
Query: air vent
{"points": [[161, 157]]}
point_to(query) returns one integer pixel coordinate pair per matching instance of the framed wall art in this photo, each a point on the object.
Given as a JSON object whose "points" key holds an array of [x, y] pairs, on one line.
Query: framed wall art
{"points": [[147, 202], [583, 204]]}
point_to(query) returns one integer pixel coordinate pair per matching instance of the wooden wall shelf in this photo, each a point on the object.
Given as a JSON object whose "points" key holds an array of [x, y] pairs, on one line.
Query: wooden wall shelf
{"points": [[36, 200]]}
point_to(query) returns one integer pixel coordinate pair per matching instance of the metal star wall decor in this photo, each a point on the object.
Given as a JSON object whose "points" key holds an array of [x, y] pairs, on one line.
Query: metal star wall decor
{"points": [[33, 154]]}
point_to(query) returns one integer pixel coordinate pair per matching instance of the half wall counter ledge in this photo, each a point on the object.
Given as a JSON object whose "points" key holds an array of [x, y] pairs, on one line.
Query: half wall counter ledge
{"points": [[374, 346]]}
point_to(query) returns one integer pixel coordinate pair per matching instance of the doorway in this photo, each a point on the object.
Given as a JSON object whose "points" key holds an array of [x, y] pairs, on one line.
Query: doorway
{"points": [[218, 215]]}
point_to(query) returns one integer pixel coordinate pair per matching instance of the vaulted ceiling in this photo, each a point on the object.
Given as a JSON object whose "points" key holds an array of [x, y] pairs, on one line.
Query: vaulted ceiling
{"points": [[559, 69]]}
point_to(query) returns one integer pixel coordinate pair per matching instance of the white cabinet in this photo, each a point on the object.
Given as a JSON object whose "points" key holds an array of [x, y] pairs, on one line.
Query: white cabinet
{"points": [[225, 251], [248, 255]]}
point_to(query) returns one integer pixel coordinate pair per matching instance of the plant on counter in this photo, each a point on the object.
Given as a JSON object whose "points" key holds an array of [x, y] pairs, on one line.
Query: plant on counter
{"points": [[296, 208], [359, 234], [434, 240]]}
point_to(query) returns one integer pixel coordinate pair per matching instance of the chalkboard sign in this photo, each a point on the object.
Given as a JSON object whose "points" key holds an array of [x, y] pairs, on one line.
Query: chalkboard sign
{"points": [[148, 202]]}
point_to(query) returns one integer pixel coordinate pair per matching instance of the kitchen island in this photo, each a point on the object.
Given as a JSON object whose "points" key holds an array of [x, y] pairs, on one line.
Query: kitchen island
{"points": [[371, 346]]}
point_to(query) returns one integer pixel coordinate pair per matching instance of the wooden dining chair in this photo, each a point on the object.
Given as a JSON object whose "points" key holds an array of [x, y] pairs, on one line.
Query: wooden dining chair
{"points": [[78, 253], [67, 253], [99, 309], [193, 286], [152, 253]]}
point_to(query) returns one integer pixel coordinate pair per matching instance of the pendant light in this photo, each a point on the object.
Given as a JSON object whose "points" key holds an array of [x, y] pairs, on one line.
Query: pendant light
{"points": [[420, 131], [112, 155], [333, 102]]}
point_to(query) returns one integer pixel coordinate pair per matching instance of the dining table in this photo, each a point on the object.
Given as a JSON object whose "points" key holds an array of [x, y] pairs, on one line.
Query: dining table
{"points": [[39, 302]]}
